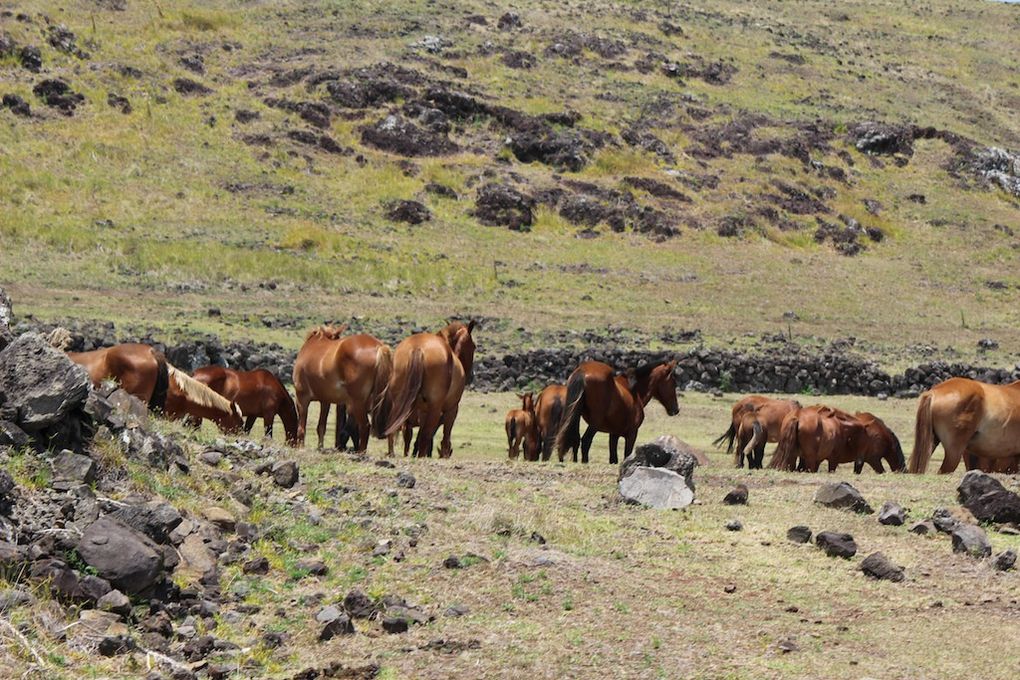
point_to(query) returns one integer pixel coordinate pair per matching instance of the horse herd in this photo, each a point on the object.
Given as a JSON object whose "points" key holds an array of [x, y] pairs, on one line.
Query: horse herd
{"points": [[419, 384]]}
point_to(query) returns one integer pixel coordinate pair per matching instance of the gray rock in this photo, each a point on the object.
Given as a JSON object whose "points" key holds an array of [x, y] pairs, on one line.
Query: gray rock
{"points": [[666, 452], [843, 496], [972, 540], [12, 598], [944, 521], [876, 565], [71, 470], [836, 544], [456, 610], [987, 499], [738, 496], [1005, 560], [799, 534], [406, 480], [312, 565], [211, 457], [359, 605], [121, 555], [334, 622], [285, 473], [155, 519], [891, 514], [12, 435], [116, 602], [657, 488], [923, 528], [734, 525]]}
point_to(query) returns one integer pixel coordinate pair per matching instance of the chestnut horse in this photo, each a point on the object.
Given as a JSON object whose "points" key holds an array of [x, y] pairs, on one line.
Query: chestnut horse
{"points": [[816, 433], [549, 411], [612, 403], [257, 393], [974, 421], [188, 398], [430, 371], [140, 370], [754, 422], [350, 371], [522, 426]]}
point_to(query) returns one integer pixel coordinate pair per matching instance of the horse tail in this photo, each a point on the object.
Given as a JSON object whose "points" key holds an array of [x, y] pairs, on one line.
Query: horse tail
{"points": [[924, 435], [511, 431], [403, 402], [568, 435], [785, 455], [380, 389], [555, 418], [899, 463], [288, 415], [157, 402], [729, 436]]}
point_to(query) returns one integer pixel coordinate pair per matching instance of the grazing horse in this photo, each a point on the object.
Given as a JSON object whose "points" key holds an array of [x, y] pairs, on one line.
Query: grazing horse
{"points": [[612, 403], [522, 426], [139, 369], [754, 422], [430, 371], [821, 433], [257, 393], [549, 411], [968, 417], [189, 398], [350, 371]]}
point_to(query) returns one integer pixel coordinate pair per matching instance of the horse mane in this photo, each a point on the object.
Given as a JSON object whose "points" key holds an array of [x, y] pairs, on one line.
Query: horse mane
{"points": [[59, 338], [327, 332], [198, 393]]}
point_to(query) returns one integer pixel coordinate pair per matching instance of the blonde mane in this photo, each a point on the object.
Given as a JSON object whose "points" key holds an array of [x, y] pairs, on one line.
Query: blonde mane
{"points": [[327, 332], [198, 393]]}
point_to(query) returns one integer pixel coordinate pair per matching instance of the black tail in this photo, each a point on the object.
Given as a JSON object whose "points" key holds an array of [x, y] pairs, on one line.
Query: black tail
{"points": [[157, 402], [728, 436], [549, 437], [568, 435]]}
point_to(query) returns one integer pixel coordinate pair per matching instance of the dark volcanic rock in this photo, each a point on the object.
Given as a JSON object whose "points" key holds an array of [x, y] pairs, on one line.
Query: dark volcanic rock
{"points": [[503, 205], [799, 534], [359, 605], [738, 496], [1005, 560], [971, 540], [187, 87], [659, 474], [876, 565], [126, 558], [892, 514], [30, 58], [18, 107], [398, 135], [57, 94], [406, 480], [411, 212], [559, 149], [882, 139], [285, 473], [843, 496], [836, 544], [987, 499], [71, 470], [334, 622], [116, 101]]}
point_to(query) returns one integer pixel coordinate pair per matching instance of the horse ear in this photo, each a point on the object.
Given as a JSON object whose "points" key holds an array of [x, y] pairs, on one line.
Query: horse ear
{"points": [[471, 325], [672, 365]]}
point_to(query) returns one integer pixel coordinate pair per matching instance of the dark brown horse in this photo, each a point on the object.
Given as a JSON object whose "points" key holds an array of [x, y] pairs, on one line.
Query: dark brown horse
{"points": [[754, 421], [612, 403], [188, 398], [351, 371], [549, 412], [821, 433], [430, 371], [139, 369], [258, 393], [974, 421], [521, 426]]}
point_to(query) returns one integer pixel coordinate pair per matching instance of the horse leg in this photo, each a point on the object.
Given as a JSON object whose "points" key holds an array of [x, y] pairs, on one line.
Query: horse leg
{"points": [[954, 452], [427, 430], [408, 432], [586, 440], [614, 444], [833, 465], [320, 429], [359, 416], [302, 413], [876, 465], [628, 444], [267, 423], [449, 418]]}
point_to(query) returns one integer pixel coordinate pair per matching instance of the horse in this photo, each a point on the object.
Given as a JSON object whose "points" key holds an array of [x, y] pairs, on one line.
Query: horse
{"points": [[549, 413], [350, 371], [189, 398], [257, 393], [972, 420], [754, 422], [140, 370], [612, 403], [821, 433], [521, 425], [430, 372]]}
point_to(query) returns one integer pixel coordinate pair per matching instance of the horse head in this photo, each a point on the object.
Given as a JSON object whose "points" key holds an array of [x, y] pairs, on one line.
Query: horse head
{"points": [[458, 335], [657, 381], [527, 401]]}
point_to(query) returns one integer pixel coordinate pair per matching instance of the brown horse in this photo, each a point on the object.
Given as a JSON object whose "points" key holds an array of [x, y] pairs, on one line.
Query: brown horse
{"points": [[139, 369], [754, 422], [257, 393], [522, 426], [549, 412], [350, 371], [430, 371], [612, 403], [972, 420], [188, 398], [821, 433]]}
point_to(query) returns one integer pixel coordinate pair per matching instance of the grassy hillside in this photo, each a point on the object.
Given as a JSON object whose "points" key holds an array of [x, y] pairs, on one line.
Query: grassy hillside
{"points": [[254, 190]]}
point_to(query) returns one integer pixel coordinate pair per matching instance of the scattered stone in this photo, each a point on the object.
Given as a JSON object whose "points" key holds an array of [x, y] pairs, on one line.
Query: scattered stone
{"points": [[944, 521], [922, 528], [738, 496], [114, 645], [882, 139], [116, 101], [11, 598], [836, 544], [155, 519], [972, 540], [359, 605], [398, 135], [1004, 561], [335, 622], [187, 87], [456, 610], [502, 205], [116, 602], [71, 470], [452, 562], [211, 457], [406, 480], [313, 566], [57, 94], [891, 514], [399, 618], [734, 525], [509, 21], [843, 496], [196, 556], [121, 555], [988, 499], [659, 474], [30, 58], [258, 565], [411, 212], [799, 534], [19, 107], [876, 565], [220, 517], [285, 474]]}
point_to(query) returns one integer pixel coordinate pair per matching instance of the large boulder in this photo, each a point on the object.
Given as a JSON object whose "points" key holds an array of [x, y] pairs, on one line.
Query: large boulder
{"points": [[987, 499], [155, 519], [836, 544], [659, 474], [842, 496], [971, 539], [121, 555], [6, 316], [878, 566], [43, 393]]}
